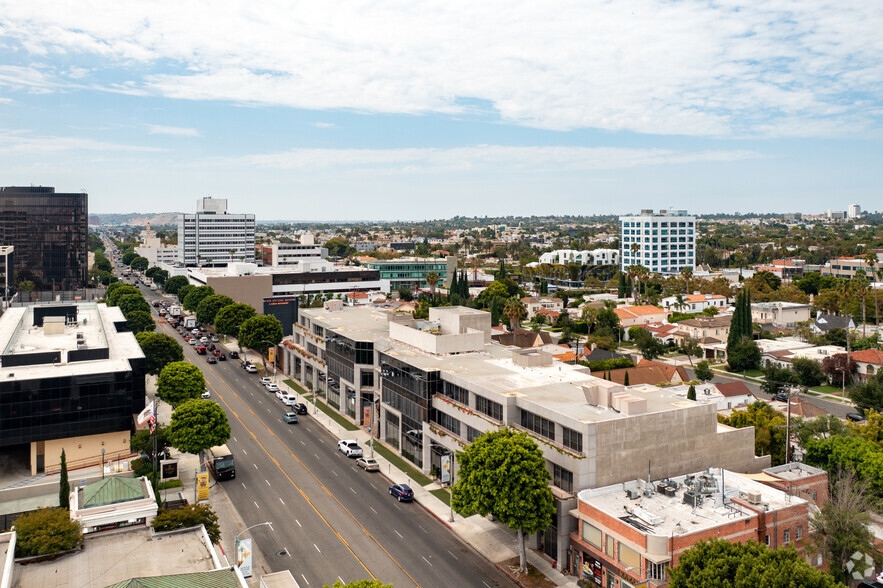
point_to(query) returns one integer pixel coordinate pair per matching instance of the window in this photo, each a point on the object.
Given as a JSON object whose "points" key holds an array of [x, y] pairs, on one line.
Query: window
{"points": [[629, 557], [655, 571], [572, 439], [489, 407], [611, 542], [471, 433], [562, 478], [538, 424], [767, 540], [592, 535], [798, 533], [456, 393], [448, 422]]}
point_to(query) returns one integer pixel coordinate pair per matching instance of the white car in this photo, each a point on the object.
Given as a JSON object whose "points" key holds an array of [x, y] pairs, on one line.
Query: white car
{"points": [[272, 388], [289, 400], [251, 369], [206, 395], [265, 381], [279, 394], [349, 448]]}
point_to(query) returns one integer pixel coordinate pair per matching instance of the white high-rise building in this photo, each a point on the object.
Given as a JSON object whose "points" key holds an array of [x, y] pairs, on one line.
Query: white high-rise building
{"points": [[663, 242], [213, 237], [854, 211]]}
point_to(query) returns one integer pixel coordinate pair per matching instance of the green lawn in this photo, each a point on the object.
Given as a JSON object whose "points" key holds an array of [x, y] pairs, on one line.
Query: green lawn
{"points": [[338, 418], [412, 472], [296, 386], [442, 495], [753, 373], [826, 389]]}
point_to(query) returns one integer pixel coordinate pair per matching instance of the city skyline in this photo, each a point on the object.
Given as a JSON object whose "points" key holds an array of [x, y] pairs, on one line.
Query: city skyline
{"points": [[409, 112]]}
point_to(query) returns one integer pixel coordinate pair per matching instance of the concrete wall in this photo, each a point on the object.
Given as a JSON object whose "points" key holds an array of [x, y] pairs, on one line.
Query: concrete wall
{"points": [[246, 289], [77, 449], [437, 344]]}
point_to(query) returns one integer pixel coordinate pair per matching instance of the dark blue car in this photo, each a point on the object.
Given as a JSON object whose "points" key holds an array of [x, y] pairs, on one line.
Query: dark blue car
{"points": [[401, 492]]}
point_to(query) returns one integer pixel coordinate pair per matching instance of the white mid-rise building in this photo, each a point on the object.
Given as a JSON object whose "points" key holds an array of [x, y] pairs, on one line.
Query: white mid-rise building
{"points": [[213, 237], [854, 211], [585, 257], [663, 242]]}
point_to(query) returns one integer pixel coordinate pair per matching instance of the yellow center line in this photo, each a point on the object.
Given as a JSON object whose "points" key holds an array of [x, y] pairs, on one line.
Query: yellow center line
{"points": [[328, 492]]}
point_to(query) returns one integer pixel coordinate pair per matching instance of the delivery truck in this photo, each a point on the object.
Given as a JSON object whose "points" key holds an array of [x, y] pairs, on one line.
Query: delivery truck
{"points": [[220, 462]]}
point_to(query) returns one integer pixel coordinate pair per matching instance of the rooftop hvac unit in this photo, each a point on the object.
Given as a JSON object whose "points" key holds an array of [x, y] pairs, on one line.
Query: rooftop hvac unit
{"points": [[692, 498], [647, 517], [660, 487], [670, 491], [633, 493], [754, 497]]}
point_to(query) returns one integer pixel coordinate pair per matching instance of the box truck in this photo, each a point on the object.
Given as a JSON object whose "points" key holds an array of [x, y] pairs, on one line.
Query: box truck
{"points": [[220, 462]]}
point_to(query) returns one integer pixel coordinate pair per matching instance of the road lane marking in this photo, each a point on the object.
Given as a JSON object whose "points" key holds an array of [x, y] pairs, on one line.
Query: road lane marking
{"points": [[454, 556], [256, 504], [317, 455], [354, 492], [427, 561], [424, 530], [283, 503], [308, 582], [298, 523], [302, 442], [243, 485], [372, 508], [301, 492], [335, 473], [245, 452], [267, 481], [399, 534], [341, 580], [317, 548], [255, 465]]}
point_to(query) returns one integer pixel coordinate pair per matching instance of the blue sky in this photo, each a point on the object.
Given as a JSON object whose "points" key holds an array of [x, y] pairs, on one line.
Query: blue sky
{"points": [[414, 110]]}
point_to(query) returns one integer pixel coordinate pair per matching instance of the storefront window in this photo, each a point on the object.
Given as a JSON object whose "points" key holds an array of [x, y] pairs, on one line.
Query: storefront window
{"points": [[592, 535]]}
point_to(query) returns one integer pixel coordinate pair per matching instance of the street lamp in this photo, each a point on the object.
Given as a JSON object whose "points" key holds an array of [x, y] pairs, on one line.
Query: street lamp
{"points": [[268, 523]]}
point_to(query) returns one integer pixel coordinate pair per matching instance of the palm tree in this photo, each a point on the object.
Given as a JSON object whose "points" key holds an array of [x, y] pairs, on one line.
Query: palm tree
{"points": [[871, 260], [643, 274], [514, 309], [432, 279], [687, 274], [679, 302], [860, 283], [844, 292]]}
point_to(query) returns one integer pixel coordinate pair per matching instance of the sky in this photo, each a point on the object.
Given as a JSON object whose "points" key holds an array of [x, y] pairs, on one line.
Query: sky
{"points": [[395, 110]]}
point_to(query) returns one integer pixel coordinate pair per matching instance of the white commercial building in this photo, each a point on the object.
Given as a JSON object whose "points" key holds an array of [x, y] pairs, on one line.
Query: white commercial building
{"points": [[663, 242], [585, 257], [854, 211], [214, 237]]}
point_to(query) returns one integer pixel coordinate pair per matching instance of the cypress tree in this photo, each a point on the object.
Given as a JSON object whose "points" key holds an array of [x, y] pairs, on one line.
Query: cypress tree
{"points": [[454, 286], [64, 487], [625, 381], [691, 393], [622, 286]]}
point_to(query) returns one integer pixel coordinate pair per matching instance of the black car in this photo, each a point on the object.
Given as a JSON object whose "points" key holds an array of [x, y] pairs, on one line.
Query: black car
{"points": [[222, 357], [299, 408], [234, 355], [780, 397], [855, 416], [211, 359]]}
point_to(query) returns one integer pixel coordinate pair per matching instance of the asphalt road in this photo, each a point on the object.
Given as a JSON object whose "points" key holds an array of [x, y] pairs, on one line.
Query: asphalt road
{"points": [[331, 520]]}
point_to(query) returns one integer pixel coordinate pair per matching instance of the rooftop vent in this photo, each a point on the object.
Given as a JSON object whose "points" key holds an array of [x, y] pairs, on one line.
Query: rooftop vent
{"points": [[754, 497]]}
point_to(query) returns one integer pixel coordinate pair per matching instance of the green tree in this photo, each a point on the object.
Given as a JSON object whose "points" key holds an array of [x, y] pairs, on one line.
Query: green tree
{"points": [[690, 346], [622, 286], [183, 291], [496, 289], [769, 429], [740, 325], [841, 527], [744, 355], [807, 372], [179, 382], [361, 584], [64, 487], [142, 442], [139, 264], [175, 283], [191, 515], [209, 307], [432, 280], [339, 247], [504, 473], [691, 392], [45, 531], [197, 425], [820, 427], [113, 295], [128, 257], [159, 350], [839, 453], [703, 371], [405, 294], [131, 303], [722, 564], [869, 394], [649, 346], [255, 331], [139, 321], [197, 295], [514, 309], [776, 378], [230, 317]]}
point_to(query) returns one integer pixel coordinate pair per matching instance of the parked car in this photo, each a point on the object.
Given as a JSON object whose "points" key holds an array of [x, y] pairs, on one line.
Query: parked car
{"points": [[215, 338], [251, 369], [368, 464], [289, 417], [349, 448], [402, 492], [299, 408], [279, 393], [206, 395], [780, 397], [289, 400], [264, 381], [855, 416], [244, 363], [234, 355], [272, 388], [222, 357], [211, 359]]}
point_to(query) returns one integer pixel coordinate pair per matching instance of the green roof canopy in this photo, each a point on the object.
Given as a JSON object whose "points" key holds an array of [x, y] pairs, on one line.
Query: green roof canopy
{"points": [[112, 491]]}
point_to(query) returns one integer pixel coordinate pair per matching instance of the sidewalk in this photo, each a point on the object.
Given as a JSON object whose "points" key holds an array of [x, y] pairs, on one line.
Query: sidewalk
{"points": [[492, 540]]}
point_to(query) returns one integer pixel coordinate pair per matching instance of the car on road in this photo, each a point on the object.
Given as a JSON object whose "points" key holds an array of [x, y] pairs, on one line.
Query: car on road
{"points": [[271, 387], [289, 417], [211, 359], [234, 355], [251, 369], [264, 381], [215, 338], [222, 357], [368, 464], [192, 341], [349, 448], [855, 417], [206, 395], [289, 399], [402, 492], [299, 408], [780, 397]]}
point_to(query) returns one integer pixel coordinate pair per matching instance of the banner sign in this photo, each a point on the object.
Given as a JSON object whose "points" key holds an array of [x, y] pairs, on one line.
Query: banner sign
{"points": [[202, 486], [446, 469], [243, 557]]}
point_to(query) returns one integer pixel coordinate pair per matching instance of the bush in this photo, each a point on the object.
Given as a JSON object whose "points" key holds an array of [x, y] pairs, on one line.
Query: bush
{"points": [[46, 531], [191, 515], [610, 364]]}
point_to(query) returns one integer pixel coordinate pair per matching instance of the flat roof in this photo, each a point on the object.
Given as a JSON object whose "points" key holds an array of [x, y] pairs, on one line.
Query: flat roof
{"points": [[361, 323], [793, 471], [18, 336], [670, 515], [118, 556]]}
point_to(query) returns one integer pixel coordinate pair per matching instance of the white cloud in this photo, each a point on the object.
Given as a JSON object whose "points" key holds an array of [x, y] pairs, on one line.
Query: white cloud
{"points": [[694, 67], [176, 131], [16, 142], [324, 125], [475, 159]]}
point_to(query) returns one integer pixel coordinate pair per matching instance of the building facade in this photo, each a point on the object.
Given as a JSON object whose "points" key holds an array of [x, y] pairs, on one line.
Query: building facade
{"points": [[585, 257], [49, 232], [214, 237], [7, 272], [411, 272], [72, 379], [663, 243], [289, 254]]}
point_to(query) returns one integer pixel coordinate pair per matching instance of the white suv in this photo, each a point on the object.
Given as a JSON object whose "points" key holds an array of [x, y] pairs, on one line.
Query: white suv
{"points": [[349, 448]]}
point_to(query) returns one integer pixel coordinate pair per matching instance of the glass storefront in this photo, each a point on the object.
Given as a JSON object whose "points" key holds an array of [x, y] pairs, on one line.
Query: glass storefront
{"points": [[409, 390]]}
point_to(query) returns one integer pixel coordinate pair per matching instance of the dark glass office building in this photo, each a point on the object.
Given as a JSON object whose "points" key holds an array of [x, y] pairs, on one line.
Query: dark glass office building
{"points": [[49, 232]]}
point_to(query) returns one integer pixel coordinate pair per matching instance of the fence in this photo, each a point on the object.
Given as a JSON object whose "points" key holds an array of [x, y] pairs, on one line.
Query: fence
{"points": [[89, 461]]}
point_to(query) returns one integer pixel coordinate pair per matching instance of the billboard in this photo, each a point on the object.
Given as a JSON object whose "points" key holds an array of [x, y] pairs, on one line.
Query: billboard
{"points": [[243, 557], [202, 486], [283, 308]]}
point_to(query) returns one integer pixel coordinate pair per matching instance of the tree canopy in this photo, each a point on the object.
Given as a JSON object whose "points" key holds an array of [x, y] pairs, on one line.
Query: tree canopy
{"points": [[191, 515], [209, 307], [159, 350], [117, 291], [179, 382], [723, 564], [703, 371], [504, 473], [139, 321], [255, 331], [197, 295], [45, 531], [197, 425], [769, 429], [229, 318], [130, 303], [175, 283], [360, 584]]}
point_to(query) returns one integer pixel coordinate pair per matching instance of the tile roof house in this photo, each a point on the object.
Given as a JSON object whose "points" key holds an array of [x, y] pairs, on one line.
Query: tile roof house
{"points": [[649, 372], [523, 338], [630, 316], [869, 361], [598, 354], [826, 322], [695, 302], [709, 330]]}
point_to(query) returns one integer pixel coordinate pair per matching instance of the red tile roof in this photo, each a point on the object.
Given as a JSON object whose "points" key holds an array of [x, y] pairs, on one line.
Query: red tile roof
{"points": [[874, 356], [733, 389]]}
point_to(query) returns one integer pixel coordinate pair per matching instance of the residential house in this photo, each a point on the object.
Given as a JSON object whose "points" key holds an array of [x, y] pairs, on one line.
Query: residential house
{"points": [[827, 322], [708, 330], [694, 302], [869, 361], [665, 332], [533, 304], [735, 394], [630, 316], [780, 314], [522, 338], [649, 372]]}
